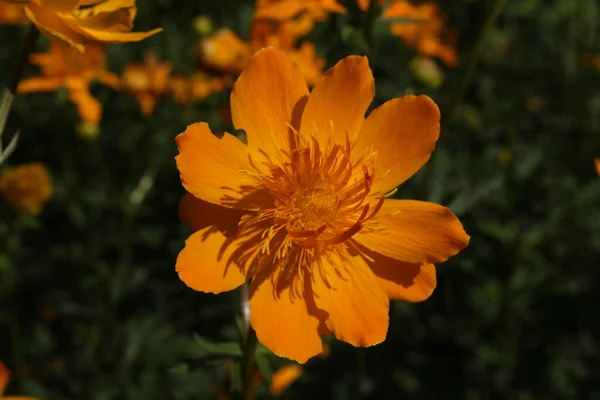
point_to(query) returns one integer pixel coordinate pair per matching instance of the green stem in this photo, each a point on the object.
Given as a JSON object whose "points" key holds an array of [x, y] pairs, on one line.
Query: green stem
{"points": [[248, 365], [28, 45], [8, 94], [473, 59], [11, 296], [465, 79]]}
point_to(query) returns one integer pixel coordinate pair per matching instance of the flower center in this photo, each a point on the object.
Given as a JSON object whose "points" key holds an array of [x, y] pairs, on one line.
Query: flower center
{"points": [[321, 198], [312, 206]]}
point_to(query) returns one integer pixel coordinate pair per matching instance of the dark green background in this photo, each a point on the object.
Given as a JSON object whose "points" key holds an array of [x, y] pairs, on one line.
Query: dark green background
{"points": [[515, 315]]}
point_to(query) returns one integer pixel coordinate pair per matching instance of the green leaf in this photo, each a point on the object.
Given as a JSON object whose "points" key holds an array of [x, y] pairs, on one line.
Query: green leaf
{"points": [[230, 349], [262, 361], [235, 376]]}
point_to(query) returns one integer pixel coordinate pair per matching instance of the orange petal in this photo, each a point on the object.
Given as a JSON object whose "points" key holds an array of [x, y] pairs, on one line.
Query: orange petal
{"points": [[116, 21], [51, 25], [117, 37], [64, 6], [20, 398], [4, 377], [357, 305], [267, 96], [364, 4], [401, 280], [285, 320], [198, 214], [417, 232], [281, 10], [207, 262], [107, 6], [211, 168], [339, 101], [403, 133], [284, 377], [89, 108], [39, 85], [147, 103], [109, 79]]}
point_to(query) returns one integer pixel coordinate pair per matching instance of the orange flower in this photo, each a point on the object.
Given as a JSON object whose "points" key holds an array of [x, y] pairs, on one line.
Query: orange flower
{"points": [[281, 10], [365, 4], [79, 22], [284, 377], [63, 66], [196, 88], [301, 211], [309, 64], [26, 187], [4, 379], [590, 60], [226, 52], [424, 36], [147, 81], [597, 162], [12, 14]]}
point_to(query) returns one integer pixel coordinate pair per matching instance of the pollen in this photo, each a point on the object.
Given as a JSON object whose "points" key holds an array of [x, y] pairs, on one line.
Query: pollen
{"points": [[321, 198]]}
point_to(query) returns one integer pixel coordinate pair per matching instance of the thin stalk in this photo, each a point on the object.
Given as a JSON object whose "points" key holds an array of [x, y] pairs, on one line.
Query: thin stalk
{"points": [[473, 59], [28, 45], [249, 365], [463, 84], [8, 94]]}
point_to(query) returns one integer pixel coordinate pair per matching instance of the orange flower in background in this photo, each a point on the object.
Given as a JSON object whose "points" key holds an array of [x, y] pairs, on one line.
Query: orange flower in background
{"points": [[590, 60], [365, 4], [4, 379], [226, 52], [281, 380], [12, 14], [80, 22], [281, 10], [302, 212], [63, 66], [284, 377], [147, 81], [424, 35], [197, 87], [308, 62], [597, 163], [26, 187]]}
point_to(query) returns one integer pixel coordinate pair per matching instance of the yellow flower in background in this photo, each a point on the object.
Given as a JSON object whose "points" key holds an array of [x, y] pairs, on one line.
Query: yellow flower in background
{"points": [[63, 66], [147, 81], [81, 22], [26, 187], [284, 377], [425, 36], [4, 379], [302, 210], [426, 70], [12, 14]]}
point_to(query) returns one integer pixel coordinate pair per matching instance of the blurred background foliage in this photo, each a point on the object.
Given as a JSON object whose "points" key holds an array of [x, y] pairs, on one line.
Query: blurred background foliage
{"points": [[91, 306]]}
